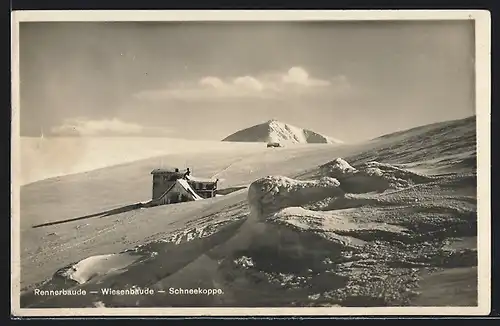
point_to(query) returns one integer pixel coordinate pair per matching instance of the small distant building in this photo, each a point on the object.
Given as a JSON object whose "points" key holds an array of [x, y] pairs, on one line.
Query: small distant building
{"points": [[173, 186], [273, 144]]}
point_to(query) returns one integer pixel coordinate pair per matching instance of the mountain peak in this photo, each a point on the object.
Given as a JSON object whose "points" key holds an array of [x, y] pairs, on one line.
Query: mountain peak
{"points": [[279, 131]]}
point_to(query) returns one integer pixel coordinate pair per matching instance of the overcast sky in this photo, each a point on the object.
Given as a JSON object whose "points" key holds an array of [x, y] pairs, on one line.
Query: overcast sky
{"points": [[351, 81]]}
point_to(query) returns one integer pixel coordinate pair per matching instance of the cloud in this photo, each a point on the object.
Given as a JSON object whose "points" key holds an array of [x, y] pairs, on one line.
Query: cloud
{"points": [[300, 76], [295, 81], [105, 127]]}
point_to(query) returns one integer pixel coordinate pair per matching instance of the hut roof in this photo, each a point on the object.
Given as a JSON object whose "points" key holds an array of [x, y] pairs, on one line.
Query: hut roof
{"points": [[203, 180], [166, 171]]}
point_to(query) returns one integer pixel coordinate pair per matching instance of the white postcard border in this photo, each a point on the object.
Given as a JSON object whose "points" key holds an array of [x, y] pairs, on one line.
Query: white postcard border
{"points": [[483, 107]]}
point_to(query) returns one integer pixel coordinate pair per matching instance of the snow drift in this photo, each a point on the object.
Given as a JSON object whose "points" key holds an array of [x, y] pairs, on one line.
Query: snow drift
{"points": [[372, 176], [95, 266], [274, 192], [274, 131]]}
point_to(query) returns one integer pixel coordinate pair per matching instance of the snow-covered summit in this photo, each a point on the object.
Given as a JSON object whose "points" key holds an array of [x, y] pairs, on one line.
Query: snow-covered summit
{"points": [[278, 131]]}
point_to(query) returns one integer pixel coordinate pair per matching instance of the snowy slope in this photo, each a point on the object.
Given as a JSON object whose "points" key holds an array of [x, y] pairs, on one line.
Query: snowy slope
{"points": [[318, 226], [277, 131]]}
